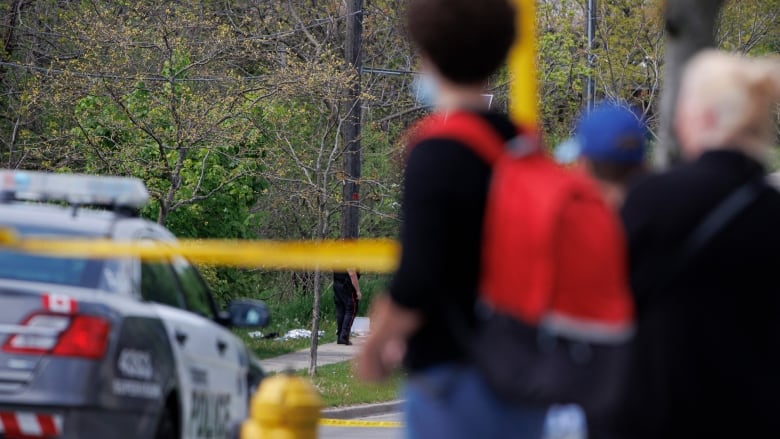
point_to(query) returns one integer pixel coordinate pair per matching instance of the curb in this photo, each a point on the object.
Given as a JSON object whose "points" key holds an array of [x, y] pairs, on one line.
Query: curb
{"points": [[359, 411]]}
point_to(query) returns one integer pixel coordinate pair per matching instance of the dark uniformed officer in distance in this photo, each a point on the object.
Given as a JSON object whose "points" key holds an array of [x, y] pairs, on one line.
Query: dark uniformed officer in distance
{"points": [[346, 294]]}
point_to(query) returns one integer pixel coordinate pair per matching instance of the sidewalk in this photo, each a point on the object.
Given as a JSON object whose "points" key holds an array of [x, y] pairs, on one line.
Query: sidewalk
{"points": [[327, 353]]}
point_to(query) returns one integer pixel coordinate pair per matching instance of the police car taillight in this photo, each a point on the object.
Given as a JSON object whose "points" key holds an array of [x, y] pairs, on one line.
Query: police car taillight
{"points": [[87, 337], [80, 336], [73, 188]]}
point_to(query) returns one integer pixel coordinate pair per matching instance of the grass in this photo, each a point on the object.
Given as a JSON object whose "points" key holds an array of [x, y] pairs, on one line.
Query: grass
{"points": [[338, 386]]}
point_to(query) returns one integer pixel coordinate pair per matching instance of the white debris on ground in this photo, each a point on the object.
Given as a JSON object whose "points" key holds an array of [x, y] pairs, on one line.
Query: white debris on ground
{"points": [[359, 327], [290, 335], [298, 333]]}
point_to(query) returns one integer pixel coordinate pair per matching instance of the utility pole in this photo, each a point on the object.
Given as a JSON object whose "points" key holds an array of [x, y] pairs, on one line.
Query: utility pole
{"points": [[350, 214], [590, 85]]}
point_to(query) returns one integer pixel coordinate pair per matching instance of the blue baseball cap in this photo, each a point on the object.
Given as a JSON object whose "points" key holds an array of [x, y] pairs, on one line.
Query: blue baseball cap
{"points": [[611, 133]]}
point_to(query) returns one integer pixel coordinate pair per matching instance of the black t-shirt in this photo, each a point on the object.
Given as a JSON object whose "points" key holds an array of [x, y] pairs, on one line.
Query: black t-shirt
{"points": [[445, 189]]}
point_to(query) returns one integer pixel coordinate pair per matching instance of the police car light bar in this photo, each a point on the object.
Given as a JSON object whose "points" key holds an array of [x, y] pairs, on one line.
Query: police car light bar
{"points": [[77, 189]]}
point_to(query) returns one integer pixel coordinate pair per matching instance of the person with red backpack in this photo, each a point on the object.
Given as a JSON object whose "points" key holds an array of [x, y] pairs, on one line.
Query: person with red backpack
{"points": [[462, 42], [493, 251]]}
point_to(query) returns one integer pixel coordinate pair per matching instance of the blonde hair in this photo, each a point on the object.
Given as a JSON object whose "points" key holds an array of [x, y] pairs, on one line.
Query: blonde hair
{"points": [[728, 101]]}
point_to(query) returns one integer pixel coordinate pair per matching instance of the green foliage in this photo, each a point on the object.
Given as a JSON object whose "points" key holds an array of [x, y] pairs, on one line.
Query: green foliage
{"points": [[627, 59], [761, 36], [380, 188], [562, 68]]}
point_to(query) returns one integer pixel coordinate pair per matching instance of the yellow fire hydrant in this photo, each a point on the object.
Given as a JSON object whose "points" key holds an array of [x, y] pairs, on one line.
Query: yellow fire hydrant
{"points": [[284, 407]]}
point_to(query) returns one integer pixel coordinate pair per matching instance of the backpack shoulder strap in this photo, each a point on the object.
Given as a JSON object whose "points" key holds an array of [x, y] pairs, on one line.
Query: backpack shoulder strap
{"points": [[464, 127], [713, 223]]}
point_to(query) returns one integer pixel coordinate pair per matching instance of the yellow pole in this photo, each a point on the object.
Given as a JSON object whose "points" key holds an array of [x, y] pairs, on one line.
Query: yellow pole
{"points": [[523, 89]]}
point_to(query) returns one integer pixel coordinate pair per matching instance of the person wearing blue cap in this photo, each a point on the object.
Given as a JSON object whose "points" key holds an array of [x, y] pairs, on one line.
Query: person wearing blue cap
{"points": [[610, 143]]}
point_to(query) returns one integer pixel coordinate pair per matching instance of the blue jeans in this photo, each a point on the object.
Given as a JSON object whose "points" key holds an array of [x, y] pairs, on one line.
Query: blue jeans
{"points": [[452, 402]]}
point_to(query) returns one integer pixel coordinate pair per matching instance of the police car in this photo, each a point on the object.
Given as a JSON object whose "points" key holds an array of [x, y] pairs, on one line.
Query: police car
{"points": [[111, 348]]}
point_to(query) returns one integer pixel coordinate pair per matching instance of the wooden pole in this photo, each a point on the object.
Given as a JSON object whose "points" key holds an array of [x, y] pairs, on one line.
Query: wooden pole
{"points": [[350, 214]]}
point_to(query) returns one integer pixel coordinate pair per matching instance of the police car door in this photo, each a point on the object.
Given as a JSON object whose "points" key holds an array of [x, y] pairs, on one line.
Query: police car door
{"points": [[205, 384], [225, 400]]}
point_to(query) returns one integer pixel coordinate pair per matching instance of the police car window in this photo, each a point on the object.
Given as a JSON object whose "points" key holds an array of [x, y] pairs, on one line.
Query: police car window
{"points": [[158, 284], [41, 268], [196, 293]]}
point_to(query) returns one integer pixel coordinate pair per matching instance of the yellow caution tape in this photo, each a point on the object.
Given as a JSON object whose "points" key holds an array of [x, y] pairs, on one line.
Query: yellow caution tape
{"points": [[524, 88], [364, 424], [369, 255]]}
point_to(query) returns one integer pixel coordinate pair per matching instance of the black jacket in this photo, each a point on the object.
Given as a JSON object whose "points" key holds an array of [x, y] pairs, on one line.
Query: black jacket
{"points": [[707, 354]]}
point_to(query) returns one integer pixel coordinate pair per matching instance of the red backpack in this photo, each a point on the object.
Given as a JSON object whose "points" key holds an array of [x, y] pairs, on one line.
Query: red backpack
{"points": [[554, 264]]}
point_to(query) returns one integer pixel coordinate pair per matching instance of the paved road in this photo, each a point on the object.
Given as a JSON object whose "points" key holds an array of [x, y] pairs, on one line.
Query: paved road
{"points": [[365, 432], [562, 422]]}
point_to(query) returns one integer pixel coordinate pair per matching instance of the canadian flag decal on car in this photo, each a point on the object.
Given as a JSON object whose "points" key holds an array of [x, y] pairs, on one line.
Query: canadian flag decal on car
{"points": [[59, 303]]}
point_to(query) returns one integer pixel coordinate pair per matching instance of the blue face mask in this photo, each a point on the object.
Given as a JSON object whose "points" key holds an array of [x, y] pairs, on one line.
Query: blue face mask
{"points": [[568, 151], [425, 89]]}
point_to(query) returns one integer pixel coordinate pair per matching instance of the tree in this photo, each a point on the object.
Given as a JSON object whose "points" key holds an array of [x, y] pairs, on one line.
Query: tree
{"points": [[627, 59], [169, 105], [751, 27], [631, 58], [306, 118], [304, 125], [28, 45]]}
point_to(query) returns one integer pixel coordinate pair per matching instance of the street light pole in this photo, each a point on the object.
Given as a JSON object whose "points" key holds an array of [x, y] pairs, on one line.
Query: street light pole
{"points": [[590, 86]]}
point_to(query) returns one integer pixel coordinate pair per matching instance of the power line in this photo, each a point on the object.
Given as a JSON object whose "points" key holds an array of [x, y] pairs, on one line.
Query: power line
{"points": [[160, 78], [266, 37]]}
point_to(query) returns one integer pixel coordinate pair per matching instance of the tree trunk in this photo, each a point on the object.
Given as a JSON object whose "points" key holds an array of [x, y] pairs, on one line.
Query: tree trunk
{"points": [[315, 323], [322, 233], [690, 27]]}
